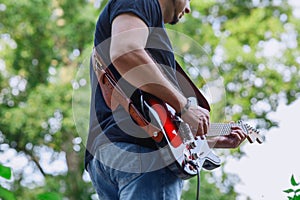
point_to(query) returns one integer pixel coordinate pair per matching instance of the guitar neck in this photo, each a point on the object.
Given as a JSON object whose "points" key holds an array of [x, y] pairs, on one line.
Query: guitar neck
{"points": [[219, 129]]}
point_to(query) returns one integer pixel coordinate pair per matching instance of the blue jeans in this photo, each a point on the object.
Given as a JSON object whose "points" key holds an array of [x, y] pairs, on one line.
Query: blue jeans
{"points": [[124, 171]]}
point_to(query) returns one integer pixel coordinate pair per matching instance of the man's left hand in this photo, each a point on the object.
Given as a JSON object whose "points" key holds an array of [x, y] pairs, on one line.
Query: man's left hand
{"points": [[233, 140]]}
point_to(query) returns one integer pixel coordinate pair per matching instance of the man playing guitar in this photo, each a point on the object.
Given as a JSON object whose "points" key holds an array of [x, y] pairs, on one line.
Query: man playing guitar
{"points": [[122, 158]]}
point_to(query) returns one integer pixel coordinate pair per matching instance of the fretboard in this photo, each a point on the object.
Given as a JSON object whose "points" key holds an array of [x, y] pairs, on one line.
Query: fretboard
{"points": [[217, 129]]}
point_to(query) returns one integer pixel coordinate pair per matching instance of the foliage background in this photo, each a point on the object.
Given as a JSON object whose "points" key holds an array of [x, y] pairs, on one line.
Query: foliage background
{"points": [[43, 43]]}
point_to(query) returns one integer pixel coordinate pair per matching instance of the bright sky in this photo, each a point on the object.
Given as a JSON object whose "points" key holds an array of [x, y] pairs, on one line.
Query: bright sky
{"points": [[267, 168], [296, 6]]}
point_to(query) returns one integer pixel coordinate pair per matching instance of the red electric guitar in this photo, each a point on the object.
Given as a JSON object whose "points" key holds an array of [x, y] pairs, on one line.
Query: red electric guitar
{"points": [[182, 152]]}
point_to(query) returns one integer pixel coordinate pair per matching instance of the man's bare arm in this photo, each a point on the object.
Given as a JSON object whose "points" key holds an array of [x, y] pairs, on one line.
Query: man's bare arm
{"points": [[129, 37]]}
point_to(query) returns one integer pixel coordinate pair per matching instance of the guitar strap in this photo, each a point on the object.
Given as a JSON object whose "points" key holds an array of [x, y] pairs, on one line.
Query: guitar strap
{"points": [[189, 89], [115, 96]]}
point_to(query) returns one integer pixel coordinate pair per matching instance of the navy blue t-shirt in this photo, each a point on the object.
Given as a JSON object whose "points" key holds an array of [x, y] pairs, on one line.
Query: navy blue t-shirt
{"points": [[106, 126]]}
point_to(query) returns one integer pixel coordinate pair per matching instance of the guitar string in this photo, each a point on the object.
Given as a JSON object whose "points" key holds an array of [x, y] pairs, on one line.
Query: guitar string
{"points": [[217, 129]]}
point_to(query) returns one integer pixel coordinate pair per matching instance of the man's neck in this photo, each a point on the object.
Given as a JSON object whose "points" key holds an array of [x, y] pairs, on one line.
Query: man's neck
{"points": [[165, 9]]}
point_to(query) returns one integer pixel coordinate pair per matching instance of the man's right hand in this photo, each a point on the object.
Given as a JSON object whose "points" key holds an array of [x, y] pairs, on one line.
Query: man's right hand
{"points": [[198, 120]]}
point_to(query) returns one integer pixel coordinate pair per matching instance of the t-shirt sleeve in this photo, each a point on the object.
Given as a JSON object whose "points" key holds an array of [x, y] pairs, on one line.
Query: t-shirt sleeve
{"points": [[146, 10]]}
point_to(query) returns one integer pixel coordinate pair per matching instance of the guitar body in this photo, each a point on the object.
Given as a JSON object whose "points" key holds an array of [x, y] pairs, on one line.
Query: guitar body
{"points": [[184, 154]]}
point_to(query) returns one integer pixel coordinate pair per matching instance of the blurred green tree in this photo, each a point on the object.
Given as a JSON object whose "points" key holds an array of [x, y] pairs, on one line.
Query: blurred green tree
{"points": [[41, 47]]}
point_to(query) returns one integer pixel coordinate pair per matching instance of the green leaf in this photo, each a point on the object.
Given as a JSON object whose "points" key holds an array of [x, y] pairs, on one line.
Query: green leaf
{"points": [[6, 194], [296, 198], [288, 191], [293, 181], [297, 191], [5, 172], [49, 196]]}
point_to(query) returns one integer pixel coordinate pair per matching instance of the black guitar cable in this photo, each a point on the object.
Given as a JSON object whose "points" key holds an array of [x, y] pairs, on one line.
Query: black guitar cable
{"points": [[198, 184], [198, 177]]}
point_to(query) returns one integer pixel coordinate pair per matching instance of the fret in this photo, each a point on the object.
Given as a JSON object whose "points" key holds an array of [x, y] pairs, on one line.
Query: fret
{"points": [[217, 129]]}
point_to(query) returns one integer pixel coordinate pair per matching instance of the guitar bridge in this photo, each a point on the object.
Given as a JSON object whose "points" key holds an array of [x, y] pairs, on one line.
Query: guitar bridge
{"points": [[186, 134]]}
